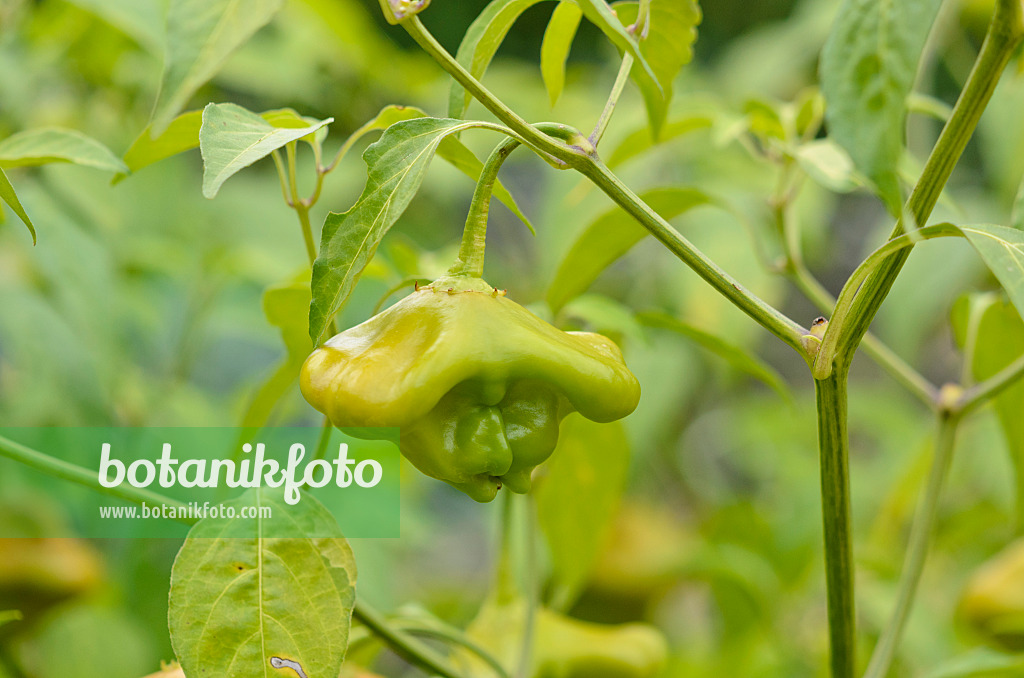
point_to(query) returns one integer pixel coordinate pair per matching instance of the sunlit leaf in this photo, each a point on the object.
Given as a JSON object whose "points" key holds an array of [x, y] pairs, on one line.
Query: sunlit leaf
{"points": [[396, 164], [868, 66], [232, 138], [481, 42], [201, 35], [56, 144], [641, 140], [451, 150], [1002, 249], [737, 357], [554, 50], [577, 495], [8, 195], [180, 136], [667, 48], [609, 237], [601, 15], [240, 598]]}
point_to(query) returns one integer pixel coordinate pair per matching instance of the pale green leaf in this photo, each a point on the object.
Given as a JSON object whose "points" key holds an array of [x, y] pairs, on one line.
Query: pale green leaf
{"points": [[481, 42], [605, 316], [1002, 249], [56, 144], [451, 150], [242, 595], [8, 616], [609, 237], [641, 140], [868, 67], [667, 48], [601, 15], [180, 136], [578, 494], [8, 195], [396, 165], [554, 50], [232, 138], [142, 20], [201, 35], [736, 356], [980, 663], [1017, 215], [828, 165]]}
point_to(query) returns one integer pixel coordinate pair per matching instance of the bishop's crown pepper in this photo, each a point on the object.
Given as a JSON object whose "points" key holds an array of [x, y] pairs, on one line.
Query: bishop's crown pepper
{"points": [[476, 383]]}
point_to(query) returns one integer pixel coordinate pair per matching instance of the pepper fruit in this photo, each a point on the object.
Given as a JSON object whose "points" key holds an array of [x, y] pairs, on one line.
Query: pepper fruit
{"points": [[476, 383], [564, 647]]}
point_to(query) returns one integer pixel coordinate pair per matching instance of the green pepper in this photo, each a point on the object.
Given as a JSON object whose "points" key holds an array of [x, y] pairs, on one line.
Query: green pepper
{"points": [[477, 384], [564, 647]]}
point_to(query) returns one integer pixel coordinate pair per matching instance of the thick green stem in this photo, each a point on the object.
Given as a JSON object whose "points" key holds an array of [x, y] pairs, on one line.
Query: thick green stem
{"points": [[1004, 34], [917, 548], [474, 238], [835, 507]]}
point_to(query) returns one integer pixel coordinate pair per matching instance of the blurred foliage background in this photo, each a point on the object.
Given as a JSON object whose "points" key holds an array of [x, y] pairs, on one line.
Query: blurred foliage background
{"points": [[141, 305]]}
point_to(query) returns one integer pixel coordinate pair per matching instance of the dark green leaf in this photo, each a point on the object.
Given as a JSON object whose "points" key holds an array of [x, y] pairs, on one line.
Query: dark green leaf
{"points": [[180, 136], [554, 50], [56, 144], [201, 35], [642, 140], [232, 138], [481, 42], [609, 237], [240, 597], [1002, 249], [667, 48], [8, 195], [736, 356], [396, 164], [577, 496], [868, 66]]}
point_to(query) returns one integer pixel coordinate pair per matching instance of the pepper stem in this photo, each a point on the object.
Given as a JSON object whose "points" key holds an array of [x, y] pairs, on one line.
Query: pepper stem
{"points": [[470, 261]]}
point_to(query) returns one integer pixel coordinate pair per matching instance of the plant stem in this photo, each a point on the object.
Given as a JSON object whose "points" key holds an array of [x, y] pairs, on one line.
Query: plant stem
{"points": [[835, 506], [402, 643], [981, 392], [474, 237], [1004, 33], [917, 547], [83, 476], [613, 99], [455, 637]]}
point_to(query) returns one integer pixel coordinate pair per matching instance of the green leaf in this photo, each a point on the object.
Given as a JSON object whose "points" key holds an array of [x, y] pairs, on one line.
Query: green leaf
{"points": [[8, 195], [980, 663], [56, 144], [239, 597], [868, 66], [609, 237], [737, 357], [554, 50], [578, 494], [642, 140], [828, 165], [395, 164], [451, 150], [606, 316], [232, 138], [201, 35], [142, 20], [481, 42], [601, 15], [1017, 215], [1002, 249], [8, 616], [180, 136], [667, 48]]}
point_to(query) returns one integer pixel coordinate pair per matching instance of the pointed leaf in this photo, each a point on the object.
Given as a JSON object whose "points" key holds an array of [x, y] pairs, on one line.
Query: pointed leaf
{"points": [[56, 144], [180, 136], [667, 48], [481, 42], [868, 67], [554, 50], [736, 356], [242, 596], [232, 138], [8, 195], [609, 237], [641, 140], [201, 35], [1002, 249], [578, 495], [396, 164]]}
